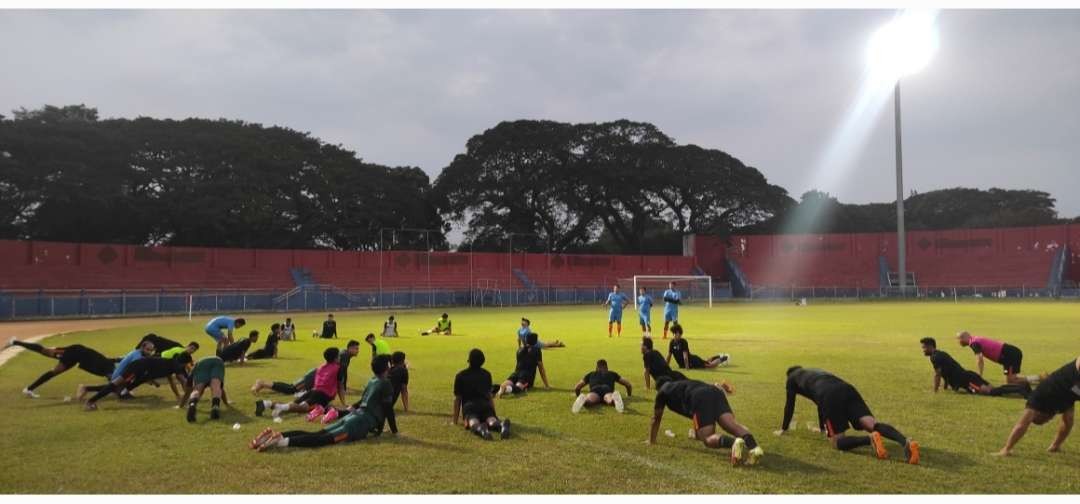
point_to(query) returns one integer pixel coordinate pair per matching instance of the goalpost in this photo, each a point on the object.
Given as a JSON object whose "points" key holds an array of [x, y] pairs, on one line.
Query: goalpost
{"points": [[692, 288]]}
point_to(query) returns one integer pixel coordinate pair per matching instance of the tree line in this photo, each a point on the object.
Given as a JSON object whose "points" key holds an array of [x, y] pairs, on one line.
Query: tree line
{"points": [[617, 187]]}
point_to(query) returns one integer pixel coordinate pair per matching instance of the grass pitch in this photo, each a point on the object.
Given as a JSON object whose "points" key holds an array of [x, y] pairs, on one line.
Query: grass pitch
{"points": [[146, 446]]}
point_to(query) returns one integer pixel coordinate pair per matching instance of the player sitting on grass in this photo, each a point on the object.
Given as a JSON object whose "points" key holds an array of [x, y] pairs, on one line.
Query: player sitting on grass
{"points": [[208, 372], [1009, 356], [957, 378], [840, 405], [399, 384], [672, 300], [221, 330], [680, 349], [526, 328], [601, 384], [645, 303], [141, 371], [442, 326], [296, 388], [1057, 393], [288, 330], [529, 359], [706, 405], [389, 328], [269, 350], [616, 301], [85, 358], [368, 417], [161, 345], [314, 401], [473, 401], [655, 365], [237, 352]]}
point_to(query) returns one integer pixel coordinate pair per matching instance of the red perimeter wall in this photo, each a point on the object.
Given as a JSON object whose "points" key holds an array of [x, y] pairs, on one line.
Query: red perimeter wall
{"points": [[982, 257]]}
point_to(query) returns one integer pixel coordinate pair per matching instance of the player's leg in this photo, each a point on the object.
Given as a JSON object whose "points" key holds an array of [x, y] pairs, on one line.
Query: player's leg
{"points": [[215, 398], [46, 376], [34, 347], [618, 326], [880, 429], [193, 400]]}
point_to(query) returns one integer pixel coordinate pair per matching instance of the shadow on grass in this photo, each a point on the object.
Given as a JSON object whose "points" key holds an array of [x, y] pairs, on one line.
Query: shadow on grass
{"points": [[777, 463], [944, 460]]}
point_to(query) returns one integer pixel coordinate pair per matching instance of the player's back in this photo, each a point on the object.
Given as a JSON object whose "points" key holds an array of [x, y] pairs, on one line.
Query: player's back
{"points": [[472, 384], [812, 382]]}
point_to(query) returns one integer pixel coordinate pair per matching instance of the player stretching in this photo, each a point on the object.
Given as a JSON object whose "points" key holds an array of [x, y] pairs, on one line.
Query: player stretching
{"points": [[526, 328], [237, 352], [161, 345], [1057, 393], [1000, 352], [472, 399], [297, 387], [601, 384], [327, 385], [368, 418], [218, 326], [680, 349], [707, 406], [645, 303], [208, 372], [616, 301], [529, 359], [655, 365], [141, 371], [85, 358], [957, 378], [672, 299], [442, 326], [839, 405], [117, 379]]}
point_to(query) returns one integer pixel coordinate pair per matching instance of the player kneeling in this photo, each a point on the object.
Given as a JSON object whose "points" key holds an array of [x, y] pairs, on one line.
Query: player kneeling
{"points": [[473, 401], [601, 384], [707, 406]]}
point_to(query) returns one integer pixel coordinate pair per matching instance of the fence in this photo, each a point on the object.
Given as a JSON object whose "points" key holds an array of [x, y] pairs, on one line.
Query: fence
{"points": [[950, 293]]}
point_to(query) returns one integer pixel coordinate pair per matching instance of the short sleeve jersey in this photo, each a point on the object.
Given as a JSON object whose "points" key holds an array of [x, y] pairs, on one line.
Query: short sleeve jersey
{"points": [[601, 378], [655, 363], [399, 377], [472, 384], [676, 348]]}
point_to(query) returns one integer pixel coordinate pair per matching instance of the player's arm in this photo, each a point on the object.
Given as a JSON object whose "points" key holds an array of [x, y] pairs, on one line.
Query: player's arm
{"points": [[648, 384], [658, 414], [224, 395], [937, 380], [789, 411], [686, 358], [980, 359], [668, 359], [543, 373], [341, 392], [1063, 430], [405, 396], [457, 410], [1018, 431], [629, 387], [577, 388], [388, 407], [185, 396], [449, 327], [172, 385]]}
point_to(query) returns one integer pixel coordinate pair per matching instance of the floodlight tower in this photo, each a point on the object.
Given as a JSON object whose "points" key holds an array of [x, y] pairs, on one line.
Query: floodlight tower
{"points": [[898, 49]]}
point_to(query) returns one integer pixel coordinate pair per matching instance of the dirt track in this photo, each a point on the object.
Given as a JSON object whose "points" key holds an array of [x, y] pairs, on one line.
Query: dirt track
{"points": [[39, 330]]}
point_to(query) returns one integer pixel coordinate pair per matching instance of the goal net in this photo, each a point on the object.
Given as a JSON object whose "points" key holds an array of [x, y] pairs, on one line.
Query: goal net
{"points": [[693, 289]]}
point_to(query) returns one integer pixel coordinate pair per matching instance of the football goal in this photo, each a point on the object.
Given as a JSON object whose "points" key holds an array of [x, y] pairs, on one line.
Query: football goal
{"points": [[693, 289]]}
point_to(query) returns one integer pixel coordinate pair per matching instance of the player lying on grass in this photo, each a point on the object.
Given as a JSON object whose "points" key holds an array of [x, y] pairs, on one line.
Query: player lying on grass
{"points": [[161, 344], [655, 365], [529, 359], [298, 387], [208, 372], [840, 405], [269, 350], [141, 371], [221, 329], [706, 405], [71, 356], [957, 378], [645, 303], [237, 352], [473, 400], [680, 349], [1009, 356], [442, 326], [327, 385], [672, 300], [1057, 393], [526, 328], [615, 302], [368, 418], [601, 384]]}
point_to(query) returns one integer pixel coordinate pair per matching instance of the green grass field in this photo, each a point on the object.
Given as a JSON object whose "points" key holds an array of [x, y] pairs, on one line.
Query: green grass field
{"points": [[146, 446]]}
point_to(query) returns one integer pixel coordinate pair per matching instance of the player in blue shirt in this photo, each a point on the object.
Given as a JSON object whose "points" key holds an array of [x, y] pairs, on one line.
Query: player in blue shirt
{"points": [[617, 301], [645, 303], [117, 380], [672, 298], [523, 335], [218, 326]]}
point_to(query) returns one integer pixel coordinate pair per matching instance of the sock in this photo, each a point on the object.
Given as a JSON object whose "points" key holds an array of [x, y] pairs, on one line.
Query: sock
{"points": [[268, 403], [29, 346], [751, 443], [193, 402], [891, 433], [283, 442], [282, 388], [280, 407], [848, 442], [1009, 389], [102, 393], [215, 402], [619, 328], [727, 441], [48, 375]]}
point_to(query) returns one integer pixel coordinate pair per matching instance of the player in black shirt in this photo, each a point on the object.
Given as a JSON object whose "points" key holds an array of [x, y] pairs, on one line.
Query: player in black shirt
{"points": [[351, 350], [139, 372], [707, 406], [473, 401], [236, 352], [399, 379], [655, 365], [680, 349], [269, 350], [1057, 393], [840, 405], [160, 344], [957, 378], [601, 384], [529, 359], [329, 327], [85, 358]]}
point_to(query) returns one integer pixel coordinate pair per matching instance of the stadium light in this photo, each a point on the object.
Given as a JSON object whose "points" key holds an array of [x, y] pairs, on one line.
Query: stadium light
{"points": [[898, 49]]}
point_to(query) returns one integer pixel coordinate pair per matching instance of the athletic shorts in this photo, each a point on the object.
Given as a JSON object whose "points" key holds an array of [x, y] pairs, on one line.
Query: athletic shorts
{"points": [[1011, 357], [206, 370], [217, 334], [351, 427], [842, 406], [644, 319], [516, 378], [480, 410], [314, 397], [696, 362], [671, 315], [707, 405], [971, 380], [88, 360], [615, 316], [601, 390]]}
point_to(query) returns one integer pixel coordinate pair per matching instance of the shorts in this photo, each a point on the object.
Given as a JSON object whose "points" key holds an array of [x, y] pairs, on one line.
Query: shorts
{"points": [[314, 397], [601, 390], [480, 410], [696, 362], [671, 315], [615, 316], [207, 370], [88, 360], [1011, 357], [842, 406], [217, 334], [351, 427], [707, 405], [645, 319], [516, 378]]}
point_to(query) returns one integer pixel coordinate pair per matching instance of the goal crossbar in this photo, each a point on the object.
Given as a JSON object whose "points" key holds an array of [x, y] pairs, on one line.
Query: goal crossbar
{"points": [[672, 278]]}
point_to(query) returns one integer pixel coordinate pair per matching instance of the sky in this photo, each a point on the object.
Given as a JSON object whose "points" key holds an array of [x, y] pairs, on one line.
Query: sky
{"points": [[997, 106]]}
